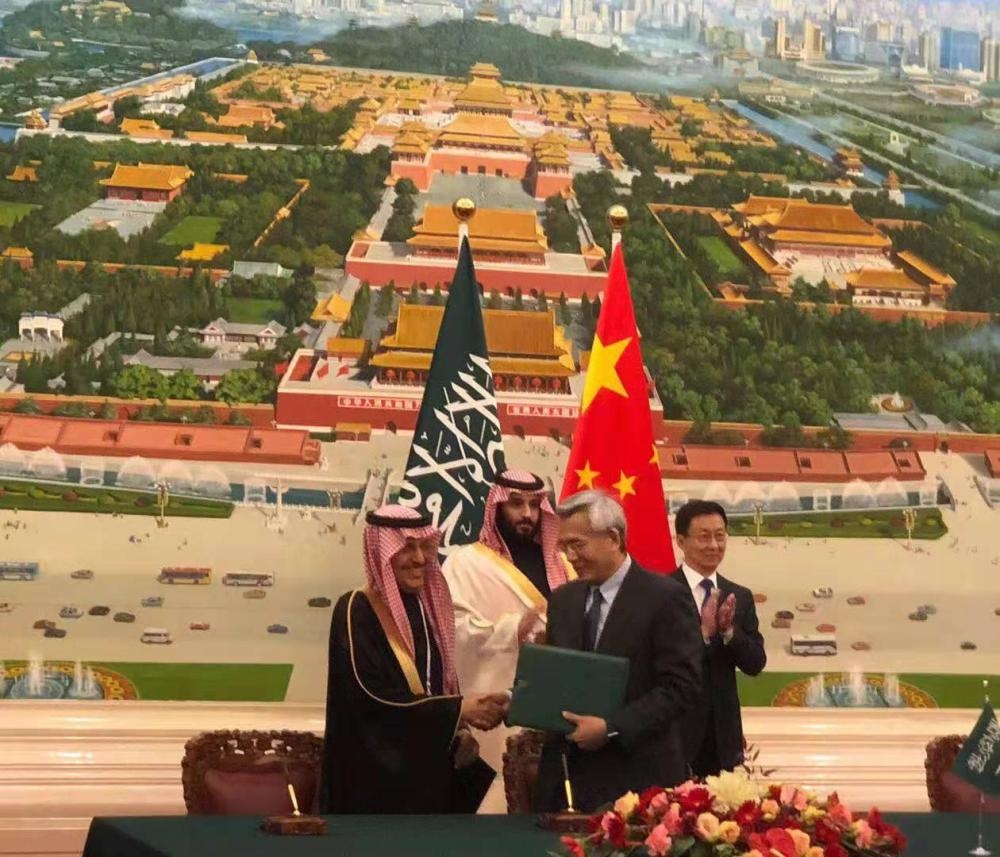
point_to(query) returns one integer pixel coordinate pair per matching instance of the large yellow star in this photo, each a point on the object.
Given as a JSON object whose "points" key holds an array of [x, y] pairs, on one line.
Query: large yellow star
{"points": [[601, 371], [587, 476], [624, 485]]}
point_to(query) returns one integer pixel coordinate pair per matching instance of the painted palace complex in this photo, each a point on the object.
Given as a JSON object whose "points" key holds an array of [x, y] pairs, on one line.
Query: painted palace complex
{"points": [[538, 384], [785, 239]]}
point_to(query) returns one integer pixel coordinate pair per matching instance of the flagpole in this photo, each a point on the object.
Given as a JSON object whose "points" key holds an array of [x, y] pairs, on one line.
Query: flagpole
{"points": [[980, 850], [617, 220], [463, 209]]}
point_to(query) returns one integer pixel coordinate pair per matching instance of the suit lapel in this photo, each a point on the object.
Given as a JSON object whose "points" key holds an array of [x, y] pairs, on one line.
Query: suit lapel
{"points": [[679, 574], [617, 623]]}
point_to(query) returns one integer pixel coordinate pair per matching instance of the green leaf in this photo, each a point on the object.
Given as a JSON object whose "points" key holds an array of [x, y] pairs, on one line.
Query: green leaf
{"points": [[681, 845]]}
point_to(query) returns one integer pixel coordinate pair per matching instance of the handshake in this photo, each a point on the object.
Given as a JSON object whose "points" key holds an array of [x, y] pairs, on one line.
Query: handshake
{"points": [[484, 711]]}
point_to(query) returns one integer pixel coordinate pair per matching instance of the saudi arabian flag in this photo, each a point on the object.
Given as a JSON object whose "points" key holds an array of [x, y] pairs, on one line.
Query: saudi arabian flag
{"points": [[978, 762], [457, 446]]}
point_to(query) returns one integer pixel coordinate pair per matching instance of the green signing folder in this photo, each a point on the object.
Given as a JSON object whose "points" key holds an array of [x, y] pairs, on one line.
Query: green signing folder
{"points": [[550, 680]]}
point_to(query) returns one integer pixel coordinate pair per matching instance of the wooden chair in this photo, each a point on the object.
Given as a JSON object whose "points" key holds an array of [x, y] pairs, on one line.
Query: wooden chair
{"points": [[247, 773], [946, 791], [520, 769]]}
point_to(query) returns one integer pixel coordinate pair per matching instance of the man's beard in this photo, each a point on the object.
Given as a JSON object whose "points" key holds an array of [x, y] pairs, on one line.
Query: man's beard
{"points": [[513, 535]]}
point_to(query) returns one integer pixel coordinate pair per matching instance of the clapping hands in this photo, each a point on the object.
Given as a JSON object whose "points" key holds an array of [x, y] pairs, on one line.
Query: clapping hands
{"points": [[484, 711], [716, 618]]}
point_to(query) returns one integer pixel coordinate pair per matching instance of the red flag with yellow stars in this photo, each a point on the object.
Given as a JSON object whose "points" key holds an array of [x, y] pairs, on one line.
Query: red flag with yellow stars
{"points": [[613, 447]]}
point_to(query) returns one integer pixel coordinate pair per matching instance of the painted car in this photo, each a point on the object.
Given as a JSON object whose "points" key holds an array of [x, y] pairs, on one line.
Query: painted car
{"points": [[152, 601], [321, 601], [58, 633], [199, 626], [82, 574], [277, 629], [70, 613], [124, 617], [823, 592], [99, 610], [254, 594]]}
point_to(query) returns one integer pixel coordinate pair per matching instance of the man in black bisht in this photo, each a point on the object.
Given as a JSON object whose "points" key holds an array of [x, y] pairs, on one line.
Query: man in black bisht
{"points": [[397, 737]]}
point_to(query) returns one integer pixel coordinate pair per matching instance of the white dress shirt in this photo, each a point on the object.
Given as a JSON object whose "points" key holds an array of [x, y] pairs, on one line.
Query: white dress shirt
{"points": [[694, 579]]}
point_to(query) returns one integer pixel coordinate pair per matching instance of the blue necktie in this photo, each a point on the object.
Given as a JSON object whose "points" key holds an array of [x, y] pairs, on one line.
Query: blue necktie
{"points": [[706, 585], [592, 619]]}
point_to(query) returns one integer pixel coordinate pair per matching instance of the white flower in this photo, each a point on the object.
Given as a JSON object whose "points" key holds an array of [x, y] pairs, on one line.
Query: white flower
{"points": [[732, 789]]}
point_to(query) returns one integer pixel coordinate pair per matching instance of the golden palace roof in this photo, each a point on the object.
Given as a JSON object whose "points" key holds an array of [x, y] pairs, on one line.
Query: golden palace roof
{"points": [[148, 176], [485, 69], [468, 130], [499, 365], [483, 94], [883, 280], [802, 215], [498, 230], [925, 268], [873, 241], [509, 333]]}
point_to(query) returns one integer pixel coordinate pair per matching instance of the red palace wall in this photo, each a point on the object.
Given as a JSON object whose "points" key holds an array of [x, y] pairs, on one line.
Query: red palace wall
{"points": [[144, 195], [416, 171], [384, 411], [547, 184], [404, 274], [513, 166]]}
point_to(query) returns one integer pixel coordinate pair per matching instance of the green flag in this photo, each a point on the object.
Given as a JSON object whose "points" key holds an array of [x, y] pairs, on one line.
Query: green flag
{"points": [[978, 762], [457, 447]]}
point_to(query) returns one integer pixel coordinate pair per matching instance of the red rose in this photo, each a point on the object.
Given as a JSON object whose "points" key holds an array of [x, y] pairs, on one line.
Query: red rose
{"points": [[747, 815], [775, 841], [825, 833], [613, 825], [646, 798], [573, 847], [696, 801], [834, 849], [774, 792]]}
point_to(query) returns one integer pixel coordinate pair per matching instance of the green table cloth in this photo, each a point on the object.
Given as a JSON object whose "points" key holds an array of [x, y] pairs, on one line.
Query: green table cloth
{"points": [[930, 835]]}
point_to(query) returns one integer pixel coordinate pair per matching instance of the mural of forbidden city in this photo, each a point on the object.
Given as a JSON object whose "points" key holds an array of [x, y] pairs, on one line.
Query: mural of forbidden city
{"points": [[227, 238]]}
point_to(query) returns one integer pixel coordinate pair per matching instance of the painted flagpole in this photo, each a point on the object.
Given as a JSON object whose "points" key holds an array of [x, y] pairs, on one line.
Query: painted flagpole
{"points": [[464, 209], [980, 850], [617, 220]]}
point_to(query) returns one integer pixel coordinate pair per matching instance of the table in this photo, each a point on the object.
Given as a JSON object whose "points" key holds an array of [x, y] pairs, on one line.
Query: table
{"points": [[930, 835]]}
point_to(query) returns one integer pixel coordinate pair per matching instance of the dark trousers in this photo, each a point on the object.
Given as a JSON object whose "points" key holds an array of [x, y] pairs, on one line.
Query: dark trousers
{"points": [[706, 761]]}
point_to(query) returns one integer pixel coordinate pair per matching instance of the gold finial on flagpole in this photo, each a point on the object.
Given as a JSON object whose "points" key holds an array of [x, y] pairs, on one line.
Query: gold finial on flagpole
{"points": [[463, 209], [617, 220], [986, 690]]}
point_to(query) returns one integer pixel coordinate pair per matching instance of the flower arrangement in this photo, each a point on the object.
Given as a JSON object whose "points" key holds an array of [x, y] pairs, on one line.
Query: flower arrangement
{"points": [[731, 815]]}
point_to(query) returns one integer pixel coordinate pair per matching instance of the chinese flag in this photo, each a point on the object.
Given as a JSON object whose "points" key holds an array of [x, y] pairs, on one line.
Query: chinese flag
{"points": [[613, 447]]}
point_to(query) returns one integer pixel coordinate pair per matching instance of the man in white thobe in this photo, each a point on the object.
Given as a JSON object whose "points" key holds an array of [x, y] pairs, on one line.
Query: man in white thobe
{"points": [[500, 587]]}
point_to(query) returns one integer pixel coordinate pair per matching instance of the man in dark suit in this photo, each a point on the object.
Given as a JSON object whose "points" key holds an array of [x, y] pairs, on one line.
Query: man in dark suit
{"points": [[713, 732], [617, 608]]}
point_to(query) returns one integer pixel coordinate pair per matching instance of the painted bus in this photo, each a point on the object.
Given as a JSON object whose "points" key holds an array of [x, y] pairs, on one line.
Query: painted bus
{"points": [[248, 578], [18, 570], [814, 644], [185, 575]]}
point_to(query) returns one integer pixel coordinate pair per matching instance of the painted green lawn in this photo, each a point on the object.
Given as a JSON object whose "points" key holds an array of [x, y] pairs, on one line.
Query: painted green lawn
{"points": [[253, 310], [728, 264], [860, 524], [49, 497], [949, 690], [206, 682], [193, 230], [11, 212]]}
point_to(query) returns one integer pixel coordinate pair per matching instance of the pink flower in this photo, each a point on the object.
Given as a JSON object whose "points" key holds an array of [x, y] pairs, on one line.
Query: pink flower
{"points": [[863, 834], [684, 788], [673, 820], [573, 847], [793, 797], [838, 813], [658, 842], [707, 827], [659, 805]]}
